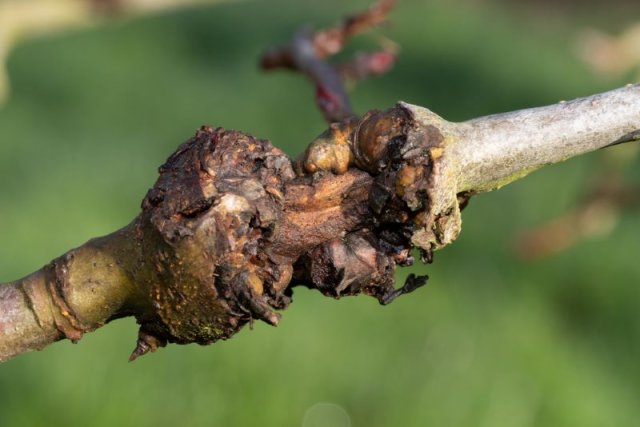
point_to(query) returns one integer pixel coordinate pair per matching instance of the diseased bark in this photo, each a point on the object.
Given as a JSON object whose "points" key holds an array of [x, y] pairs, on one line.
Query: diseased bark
{"points": [[232, 224]]}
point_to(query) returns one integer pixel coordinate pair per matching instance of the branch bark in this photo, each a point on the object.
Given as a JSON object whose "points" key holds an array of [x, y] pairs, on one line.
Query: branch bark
{"points": [[232, 224]]}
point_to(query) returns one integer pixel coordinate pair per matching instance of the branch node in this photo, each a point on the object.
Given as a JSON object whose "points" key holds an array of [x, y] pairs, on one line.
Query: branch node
{"points": [[66, 321], [146, 343]]}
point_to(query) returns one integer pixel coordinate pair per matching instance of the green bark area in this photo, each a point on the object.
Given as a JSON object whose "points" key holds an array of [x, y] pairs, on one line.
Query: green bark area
{"points": [[490, 341]]}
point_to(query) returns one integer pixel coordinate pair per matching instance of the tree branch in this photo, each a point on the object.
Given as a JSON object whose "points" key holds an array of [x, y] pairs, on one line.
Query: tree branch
{"points": [[230, 226], [76, 293], [529, 139]]}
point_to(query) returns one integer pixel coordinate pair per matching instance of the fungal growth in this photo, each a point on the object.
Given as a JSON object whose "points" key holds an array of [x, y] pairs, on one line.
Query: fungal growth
{"points": [[229, 228], [218, 200]]}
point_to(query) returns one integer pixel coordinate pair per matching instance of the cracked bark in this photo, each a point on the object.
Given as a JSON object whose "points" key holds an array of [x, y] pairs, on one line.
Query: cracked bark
{"points": [[232, 224]]}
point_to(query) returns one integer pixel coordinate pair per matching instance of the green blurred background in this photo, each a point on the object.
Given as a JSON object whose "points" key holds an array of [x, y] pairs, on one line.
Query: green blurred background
{"points": [[491, 341]]}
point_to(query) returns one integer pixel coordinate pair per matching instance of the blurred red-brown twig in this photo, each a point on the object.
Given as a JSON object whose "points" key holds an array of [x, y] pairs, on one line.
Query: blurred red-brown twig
{"points": [[309, 51]]}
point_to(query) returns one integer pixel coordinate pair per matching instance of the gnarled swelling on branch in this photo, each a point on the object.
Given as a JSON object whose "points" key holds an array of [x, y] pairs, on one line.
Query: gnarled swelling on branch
{"points": [[230, 224]]}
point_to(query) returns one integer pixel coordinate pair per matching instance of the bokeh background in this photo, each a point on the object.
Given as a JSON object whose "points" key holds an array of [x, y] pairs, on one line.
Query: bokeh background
{"points": [[491, 341]]}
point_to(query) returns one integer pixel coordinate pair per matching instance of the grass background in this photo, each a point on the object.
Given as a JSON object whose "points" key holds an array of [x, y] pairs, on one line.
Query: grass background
{"points": [[491, 341]]}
